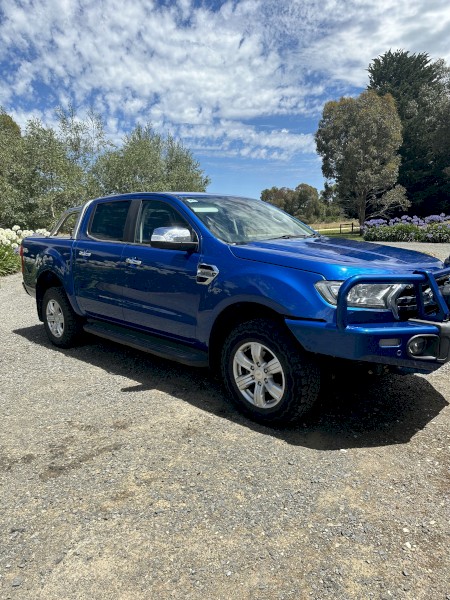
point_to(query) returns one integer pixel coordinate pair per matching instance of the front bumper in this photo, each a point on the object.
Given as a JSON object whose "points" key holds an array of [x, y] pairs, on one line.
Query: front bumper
{"points": [[376, 343], [385, 343]]}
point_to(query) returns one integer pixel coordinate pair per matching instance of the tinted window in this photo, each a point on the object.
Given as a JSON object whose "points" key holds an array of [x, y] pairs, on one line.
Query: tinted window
{"points": [[109, 220], [156, 214]]}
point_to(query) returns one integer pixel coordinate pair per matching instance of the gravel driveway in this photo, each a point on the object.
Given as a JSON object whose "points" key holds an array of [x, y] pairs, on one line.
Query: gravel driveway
{"points": [[128, 477]]}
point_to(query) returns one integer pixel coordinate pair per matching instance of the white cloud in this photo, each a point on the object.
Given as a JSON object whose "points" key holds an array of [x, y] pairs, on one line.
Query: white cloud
{"points": [[237, 139], [203, 73]]}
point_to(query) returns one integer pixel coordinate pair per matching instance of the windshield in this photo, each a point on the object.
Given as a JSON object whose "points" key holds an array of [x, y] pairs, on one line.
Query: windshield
{"points": [[241, 220]]}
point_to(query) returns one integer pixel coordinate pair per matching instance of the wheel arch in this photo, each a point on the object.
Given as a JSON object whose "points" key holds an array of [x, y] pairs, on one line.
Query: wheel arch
{"points": [[45, 281], [232, 316]]}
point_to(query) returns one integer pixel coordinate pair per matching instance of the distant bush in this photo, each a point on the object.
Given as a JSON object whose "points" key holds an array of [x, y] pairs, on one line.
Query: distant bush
{"points": [[10, 240], [435, 228]]}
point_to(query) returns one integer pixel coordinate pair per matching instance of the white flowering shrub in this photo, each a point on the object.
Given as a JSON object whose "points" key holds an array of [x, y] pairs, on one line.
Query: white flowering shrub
{"points": [[10, 240]]}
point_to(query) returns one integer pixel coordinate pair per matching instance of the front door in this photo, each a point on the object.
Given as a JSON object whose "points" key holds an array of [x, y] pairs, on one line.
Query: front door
{"points": [[160, 292]]}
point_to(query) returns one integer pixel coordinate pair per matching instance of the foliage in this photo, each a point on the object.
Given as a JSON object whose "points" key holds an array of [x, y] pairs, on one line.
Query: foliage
{"points": [[9, 261], [10, 240], [358, 139], [45, 170], [434, 228], [148, 161], [422, 94], [85, 139], [302, 202]]}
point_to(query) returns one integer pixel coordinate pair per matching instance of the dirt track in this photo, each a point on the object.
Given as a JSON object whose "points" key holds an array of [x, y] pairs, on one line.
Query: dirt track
{"points": [[124, 476]]}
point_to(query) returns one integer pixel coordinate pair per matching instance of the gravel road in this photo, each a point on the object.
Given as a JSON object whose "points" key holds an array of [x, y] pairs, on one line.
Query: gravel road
{"points": [[128, 477]]}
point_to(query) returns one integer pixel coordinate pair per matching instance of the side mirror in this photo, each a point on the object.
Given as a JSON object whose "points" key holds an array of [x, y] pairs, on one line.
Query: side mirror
{"points": [[173, 238]]}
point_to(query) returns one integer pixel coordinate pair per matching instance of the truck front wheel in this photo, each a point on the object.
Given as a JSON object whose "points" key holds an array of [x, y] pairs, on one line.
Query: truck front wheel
{"points": [[62, 325], [269, 377]]}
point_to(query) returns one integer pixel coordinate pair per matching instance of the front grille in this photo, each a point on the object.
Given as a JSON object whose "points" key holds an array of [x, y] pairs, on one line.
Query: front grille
{"points": [[407, 299]]}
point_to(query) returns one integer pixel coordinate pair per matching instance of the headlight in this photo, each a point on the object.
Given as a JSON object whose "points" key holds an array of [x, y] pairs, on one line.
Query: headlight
{"points": [[364, 295]]}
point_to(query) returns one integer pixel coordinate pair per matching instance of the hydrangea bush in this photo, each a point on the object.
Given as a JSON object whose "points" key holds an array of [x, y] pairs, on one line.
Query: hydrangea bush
{"points": [[10, 240], [435, 228]]}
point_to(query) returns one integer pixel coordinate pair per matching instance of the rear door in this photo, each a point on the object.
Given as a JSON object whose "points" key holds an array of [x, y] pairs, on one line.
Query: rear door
{"points": [[161, 293], [98, 268]]}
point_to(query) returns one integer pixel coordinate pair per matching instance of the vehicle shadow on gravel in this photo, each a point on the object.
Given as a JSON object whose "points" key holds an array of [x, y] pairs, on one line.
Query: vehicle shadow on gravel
{"points": [[351, 412]]}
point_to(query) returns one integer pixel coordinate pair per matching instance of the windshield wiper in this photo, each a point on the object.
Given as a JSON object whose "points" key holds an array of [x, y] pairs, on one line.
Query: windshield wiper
{"points": [[288, 236]]}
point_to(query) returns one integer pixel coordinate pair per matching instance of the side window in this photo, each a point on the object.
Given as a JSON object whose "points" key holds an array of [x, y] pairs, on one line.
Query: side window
{"points": [[67, 227], [108, 222], [154, 214]]}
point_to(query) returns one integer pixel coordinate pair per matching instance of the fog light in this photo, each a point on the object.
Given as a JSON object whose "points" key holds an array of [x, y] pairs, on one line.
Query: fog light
{"points": [[417, 345]]}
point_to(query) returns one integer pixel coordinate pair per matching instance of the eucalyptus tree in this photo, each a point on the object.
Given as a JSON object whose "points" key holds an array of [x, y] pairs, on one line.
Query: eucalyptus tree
{"points": [[358, 140]]}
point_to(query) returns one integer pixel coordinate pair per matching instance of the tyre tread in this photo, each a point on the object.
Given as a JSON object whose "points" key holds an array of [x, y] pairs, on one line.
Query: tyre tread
{"points": [[304, 375], [72, 323]]}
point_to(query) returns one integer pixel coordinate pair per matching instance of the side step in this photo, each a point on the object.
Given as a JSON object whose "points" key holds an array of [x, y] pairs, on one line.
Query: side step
{"points": [[148, 343]]}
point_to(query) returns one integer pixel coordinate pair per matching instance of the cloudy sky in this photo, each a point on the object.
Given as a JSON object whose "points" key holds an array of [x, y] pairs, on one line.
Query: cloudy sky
{"points": [[241, 82]]}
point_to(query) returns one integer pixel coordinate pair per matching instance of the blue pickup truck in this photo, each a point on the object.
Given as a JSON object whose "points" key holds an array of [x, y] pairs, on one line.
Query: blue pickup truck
{"points": [[241, 286]]}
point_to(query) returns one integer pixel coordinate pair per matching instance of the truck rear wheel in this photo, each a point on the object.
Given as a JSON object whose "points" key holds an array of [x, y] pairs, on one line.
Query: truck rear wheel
{"points": [[269, 377], [62, 325]]}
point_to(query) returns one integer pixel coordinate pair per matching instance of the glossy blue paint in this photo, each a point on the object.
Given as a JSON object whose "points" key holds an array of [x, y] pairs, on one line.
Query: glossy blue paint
{"points": [[336, 259], [362, 342], [98, 276], [161, 294]]}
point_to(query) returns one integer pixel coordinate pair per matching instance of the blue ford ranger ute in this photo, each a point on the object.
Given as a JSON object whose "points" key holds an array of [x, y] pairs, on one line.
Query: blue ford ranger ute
{"points": [[241, 286]]}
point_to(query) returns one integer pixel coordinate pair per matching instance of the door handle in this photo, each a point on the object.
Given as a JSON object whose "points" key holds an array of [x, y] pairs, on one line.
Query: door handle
{"points": [[133, 261], [84, 253]]}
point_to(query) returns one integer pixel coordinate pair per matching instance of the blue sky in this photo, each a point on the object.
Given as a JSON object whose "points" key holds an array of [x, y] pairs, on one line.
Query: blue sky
{"points": [[241, 82]]}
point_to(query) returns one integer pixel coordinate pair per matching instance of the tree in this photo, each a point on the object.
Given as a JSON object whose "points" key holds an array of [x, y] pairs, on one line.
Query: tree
{"points": [[8, 126], [45, 170], [303, 202], [358, 139], [41, 172], [421, 90], [332, 210], [441, 144], [85, 142], [12, 169], [312, 208], [285, 198], [52, 183], [151, 162]]}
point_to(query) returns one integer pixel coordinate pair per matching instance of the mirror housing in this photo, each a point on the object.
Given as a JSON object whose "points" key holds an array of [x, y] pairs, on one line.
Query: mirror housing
{"points": [[173, 238]]}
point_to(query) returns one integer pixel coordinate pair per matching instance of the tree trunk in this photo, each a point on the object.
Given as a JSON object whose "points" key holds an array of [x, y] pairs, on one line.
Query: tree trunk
{"points": [[362, 209]]}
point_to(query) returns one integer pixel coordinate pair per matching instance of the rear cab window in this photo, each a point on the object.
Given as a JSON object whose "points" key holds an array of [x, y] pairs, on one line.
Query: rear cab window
{"points": [[67, 225]]}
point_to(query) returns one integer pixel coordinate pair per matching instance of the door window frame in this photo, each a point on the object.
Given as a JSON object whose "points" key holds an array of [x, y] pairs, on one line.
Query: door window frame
{"points": [[137, 210], [126, 229]]}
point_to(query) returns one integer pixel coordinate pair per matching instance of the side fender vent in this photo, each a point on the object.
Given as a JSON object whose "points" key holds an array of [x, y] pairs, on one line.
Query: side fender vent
{"points": [[206, 273]]}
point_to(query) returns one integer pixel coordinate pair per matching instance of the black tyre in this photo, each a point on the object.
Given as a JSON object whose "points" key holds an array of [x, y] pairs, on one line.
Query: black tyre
{"points": [[268, 375], [62, 325]]}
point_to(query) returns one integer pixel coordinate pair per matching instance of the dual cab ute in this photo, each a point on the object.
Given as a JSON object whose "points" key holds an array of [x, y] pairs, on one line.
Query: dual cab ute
{"points": [[241, 286]]}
